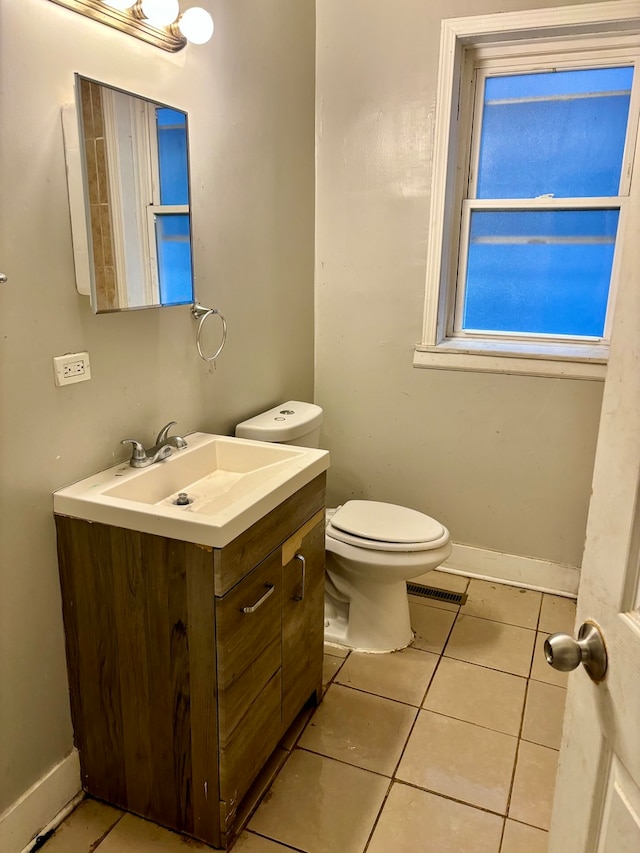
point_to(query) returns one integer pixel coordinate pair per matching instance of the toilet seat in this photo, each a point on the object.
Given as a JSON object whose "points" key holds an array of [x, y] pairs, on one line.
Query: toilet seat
{"points": [[381, 526]]}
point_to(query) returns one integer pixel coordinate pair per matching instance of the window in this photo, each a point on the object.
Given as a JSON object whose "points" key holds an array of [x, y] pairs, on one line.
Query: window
{"points": [[169, 220], [535, 136], [149, 183]]}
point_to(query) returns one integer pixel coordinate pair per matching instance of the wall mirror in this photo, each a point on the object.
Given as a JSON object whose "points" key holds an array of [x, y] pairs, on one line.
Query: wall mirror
{"points": [[128, 175]]}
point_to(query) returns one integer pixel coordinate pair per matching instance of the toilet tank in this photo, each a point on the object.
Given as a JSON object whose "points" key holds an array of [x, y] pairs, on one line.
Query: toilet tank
{"points": [[289, 423]]}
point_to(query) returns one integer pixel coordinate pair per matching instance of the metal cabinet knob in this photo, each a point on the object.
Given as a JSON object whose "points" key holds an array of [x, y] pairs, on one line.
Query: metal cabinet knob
{"points": [[564, 653]]}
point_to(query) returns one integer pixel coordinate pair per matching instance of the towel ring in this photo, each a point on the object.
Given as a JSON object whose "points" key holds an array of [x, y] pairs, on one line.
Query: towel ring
{"points": [[199, 312]]}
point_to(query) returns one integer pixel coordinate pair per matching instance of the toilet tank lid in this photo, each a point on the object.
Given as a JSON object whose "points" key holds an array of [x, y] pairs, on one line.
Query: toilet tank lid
{"points": [[385, 522], [282, 423]]}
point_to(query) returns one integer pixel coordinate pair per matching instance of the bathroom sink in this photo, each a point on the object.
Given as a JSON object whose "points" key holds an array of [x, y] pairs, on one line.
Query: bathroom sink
{"points": [[230, 483]]}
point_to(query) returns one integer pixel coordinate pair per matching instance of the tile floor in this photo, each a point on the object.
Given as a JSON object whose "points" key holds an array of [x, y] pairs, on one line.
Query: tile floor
{"points": [[449, 746]]}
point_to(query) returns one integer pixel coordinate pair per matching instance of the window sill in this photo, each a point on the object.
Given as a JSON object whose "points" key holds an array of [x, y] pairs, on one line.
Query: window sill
{"points": [[568, 362]]}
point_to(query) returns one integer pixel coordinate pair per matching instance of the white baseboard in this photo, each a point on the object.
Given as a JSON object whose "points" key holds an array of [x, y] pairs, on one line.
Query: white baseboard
{"points": [[527, 572], [38, 808]]}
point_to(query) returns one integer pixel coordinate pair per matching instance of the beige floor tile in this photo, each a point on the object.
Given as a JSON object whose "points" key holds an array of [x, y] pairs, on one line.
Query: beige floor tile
{"points": [[249, 842], [502, 603], [519, 838], [459, 760], [403, 675], [330, 667], [493, 644], [86, 825], [336, 651], [478, 695], [446, 580], [360, 729], [431, 626], [541, 671], [320, 805], [557, 614], [134, 834], [544, 713], [533, 785], [414, 821]]}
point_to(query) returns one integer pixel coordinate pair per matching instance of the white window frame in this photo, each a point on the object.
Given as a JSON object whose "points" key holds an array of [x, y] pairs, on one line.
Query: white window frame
{"points": [[512, 41], [127, 141]]}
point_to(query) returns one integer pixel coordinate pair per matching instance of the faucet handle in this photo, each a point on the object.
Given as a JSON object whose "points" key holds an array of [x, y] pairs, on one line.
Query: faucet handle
{"points": [[138, 452], [164, 432]]}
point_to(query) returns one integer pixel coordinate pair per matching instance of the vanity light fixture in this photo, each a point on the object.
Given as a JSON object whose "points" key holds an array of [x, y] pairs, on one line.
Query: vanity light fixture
{"points": [[158, 22]]}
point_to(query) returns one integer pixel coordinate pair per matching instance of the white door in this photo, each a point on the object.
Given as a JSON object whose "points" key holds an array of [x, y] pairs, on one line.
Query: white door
{"points": [[597, 799]]}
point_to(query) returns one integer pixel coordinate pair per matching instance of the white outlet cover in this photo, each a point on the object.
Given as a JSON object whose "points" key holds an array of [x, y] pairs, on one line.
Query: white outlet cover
{"points": [[81, 368]]}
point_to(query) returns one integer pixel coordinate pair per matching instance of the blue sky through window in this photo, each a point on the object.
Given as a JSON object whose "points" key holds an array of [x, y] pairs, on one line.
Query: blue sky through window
{"points": [[172, 156], [544, 272], [560, 134], [174, 258]]}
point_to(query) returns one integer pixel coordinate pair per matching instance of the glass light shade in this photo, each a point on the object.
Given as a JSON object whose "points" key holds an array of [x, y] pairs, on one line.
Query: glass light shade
{"points": [[120, 5], [196, 25], [160, 13]]}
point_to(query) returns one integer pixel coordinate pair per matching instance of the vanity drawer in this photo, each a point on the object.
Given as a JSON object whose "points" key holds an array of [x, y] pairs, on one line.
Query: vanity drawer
{"points": [[248, 641], [251, 547]]}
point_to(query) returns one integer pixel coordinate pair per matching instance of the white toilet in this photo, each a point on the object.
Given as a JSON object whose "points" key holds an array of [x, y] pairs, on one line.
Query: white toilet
{"points": [[372, 548]]}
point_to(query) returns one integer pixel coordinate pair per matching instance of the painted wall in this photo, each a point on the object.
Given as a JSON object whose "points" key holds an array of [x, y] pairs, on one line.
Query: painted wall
{"points": [[504, 461], [250, 98]]}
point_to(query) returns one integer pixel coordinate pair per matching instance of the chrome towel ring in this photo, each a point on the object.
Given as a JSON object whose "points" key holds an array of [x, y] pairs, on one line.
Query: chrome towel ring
{"points": [[199, 312]]}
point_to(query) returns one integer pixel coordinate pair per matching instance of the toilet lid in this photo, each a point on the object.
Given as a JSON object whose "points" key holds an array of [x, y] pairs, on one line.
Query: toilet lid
{"points": [[383, 522]]}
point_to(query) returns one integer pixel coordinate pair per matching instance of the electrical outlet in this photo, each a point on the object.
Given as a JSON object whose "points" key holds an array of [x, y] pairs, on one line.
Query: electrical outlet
{"points": [[72, 367]]}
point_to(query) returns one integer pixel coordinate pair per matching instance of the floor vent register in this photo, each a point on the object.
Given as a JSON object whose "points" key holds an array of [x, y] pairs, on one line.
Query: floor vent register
{"points": [[439, 594]]}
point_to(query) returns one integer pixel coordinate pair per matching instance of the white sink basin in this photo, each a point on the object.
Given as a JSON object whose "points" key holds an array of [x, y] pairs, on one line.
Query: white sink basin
{"points": [[230, 482]]}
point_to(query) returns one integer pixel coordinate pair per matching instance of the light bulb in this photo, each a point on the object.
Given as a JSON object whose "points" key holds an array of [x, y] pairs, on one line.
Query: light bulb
{"points": [[160, 13], [196, 25], [120, 5]]}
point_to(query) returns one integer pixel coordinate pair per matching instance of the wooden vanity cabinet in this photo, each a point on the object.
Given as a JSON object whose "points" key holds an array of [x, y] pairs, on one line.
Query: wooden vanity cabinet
{"points": [[187, 664]]}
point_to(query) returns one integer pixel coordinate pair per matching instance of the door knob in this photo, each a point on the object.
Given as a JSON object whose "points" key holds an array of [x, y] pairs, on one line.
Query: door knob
{"points": [[564, 653]]}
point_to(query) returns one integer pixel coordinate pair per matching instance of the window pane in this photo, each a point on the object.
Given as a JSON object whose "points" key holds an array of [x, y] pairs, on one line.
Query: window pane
{"points": [[539, 131], [544, 272], [172, 156], [174, 258]]}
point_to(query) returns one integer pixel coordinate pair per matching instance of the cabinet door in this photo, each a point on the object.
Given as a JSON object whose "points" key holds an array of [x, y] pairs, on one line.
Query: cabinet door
{"points": [[248, 649], [302, 616]]}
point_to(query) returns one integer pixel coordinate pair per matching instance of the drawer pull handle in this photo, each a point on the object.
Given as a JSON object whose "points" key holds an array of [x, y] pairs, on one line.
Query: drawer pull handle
{"points": [[260, 601], [301, 558]]}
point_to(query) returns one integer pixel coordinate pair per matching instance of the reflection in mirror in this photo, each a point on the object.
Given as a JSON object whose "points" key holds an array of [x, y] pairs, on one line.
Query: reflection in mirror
{"points": [[136, 189]]}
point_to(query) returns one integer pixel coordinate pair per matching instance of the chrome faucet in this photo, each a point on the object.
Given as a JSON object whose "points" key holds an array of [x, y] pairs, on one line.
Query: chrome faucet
{"points": [[141, 458], [165, 439]]}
